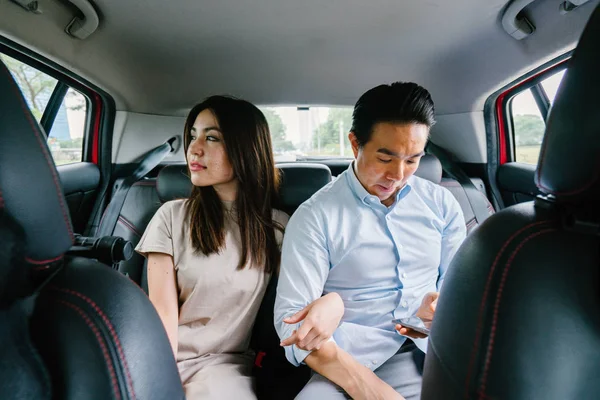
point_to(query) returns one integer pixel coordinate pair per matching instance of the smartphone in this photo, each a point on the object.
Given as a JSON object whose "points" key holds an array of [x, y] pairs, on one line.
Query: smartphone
{"points": [[414, 323]]}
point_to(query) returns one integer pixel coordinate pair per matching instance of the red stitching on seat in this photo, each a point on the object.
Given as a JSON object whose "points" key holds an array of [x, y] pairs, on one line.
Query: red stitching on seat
{"points": [[39, 262], [129, 225], [112, 332], [484, 299], [46, 155], [490, 348], [113, 375]]}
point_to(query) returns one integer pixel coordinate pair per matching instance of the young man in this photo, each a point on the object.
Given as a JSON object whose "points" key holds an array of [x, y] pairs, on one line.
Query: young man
{"points": [[382, 239]]}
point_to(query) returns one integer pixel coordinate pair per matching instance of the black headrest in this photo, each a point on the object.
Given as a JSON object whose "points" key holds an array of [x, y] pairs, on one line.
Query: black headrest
{"points": [[173, 183], [430, 168], [569, 164], [30, 189], [299, 181]]}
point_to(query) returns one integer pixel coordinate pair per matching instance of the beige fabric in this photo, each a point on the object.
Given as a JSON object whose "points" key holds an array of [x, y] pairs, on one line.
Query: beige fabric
{"points": [[217, 304]]}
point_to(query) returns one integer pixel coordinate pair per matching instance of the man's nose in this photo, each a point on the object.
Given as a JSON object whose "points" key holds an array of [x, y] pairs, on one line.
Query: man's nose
{"points": [[396, 172]]}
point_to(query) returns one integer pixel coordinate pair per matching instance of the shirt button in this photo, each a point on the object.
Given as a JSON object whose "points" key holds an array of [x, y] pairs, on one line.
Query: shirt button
{"points": [[404, 275], [404, 304], [374, 362]]}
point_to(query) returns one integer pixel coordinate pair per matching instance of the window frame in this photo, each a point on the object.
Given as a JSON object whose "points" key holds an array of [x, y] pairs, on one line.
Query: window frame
{"points": [[96, 100], [504, 118]]}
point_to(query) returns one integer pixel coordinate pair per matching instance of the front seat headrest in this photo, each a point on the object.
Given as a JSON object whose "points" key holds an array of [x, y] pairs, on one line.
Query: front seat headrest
{"points": [[30, 189], [173, 183], [430, 168], [569, 164], [299, 181]]}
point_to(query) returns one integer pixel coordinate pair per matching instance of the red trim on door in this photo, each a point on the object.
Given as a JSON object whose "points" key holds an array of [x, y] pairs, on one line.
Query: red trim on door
{"points": [[500, 117], [96, 129], [501, 128]]}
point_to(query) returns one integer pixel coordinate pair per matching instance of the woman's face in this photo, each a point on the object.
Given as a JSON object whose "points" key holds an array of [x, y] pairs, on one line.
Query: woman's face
{"points": [[207, 159]]}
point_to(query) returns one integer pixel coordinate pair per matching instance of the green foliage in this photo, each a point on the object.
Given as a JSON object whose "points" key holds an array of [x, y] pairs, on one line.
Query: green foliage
{"points": [[278, 133], [529, 130], [33, 84], [326, 139], [76, 143]]}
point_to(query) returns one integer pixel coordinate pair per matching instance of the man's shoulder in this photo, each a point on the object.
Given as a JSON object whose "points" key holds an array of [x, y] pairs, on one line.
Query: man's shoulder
{"points": [[425, 187], [329, 194], [325, 200]]}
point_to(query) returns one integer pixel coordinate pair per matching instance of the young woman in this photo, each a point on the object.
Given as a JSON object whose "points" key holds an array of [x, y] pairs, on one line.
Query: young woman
{"points": [[210, 257]]}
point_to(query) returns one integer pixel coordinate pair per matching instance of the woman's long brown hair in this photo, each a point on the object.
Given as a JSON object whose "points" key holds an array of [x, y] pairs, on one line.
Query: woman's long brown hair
{"points": [[248, 146]]}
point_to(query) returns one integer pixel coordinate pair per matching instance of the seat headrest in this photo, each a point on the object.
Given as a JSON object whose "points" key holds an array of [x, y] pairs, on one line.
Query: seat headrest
{"points": [[173, 183], [30, 189], [430, 168], [299, 181], [569, 164]]}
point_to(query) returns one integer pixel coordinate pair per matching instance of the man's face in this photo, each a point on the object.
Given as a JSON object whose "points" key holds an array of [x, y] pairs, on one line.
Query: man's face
{"points": [[389, 158]]}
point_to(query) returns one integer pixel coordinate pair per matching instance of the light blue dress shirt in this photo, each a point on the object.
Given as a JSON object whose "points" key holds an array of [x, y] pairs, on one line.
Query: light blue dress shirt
{"points": [[380, 260]]}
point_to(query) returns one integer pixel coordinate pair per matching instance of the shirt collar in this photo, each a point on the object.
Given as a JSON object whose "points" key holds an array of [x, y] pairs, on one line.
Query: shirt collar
{"points": [[365, 197]]}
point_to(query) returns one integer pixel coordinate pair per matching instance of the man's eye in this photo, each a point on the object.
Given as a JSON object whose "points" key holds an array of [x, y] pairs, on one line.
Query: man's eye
{"points": [[384, 161], [410, 161]]}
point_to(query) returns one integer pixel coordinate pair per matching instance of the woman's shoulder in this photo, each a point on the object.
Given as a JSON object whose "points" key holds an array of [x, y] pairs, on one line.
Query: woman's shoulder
{"points": [[174, 209]]}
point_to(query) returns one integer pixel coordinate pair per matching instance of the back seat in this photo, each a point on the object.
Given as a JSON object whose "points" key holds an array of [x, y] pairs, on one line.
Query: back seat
{"points": [[276, 378], [299, 181], [431, 169]]}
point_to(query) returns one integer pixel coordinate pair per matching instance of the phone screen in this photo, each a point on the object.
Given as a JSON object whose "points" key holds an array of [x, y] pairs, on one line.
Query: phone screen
{"points": [[414, 323]]}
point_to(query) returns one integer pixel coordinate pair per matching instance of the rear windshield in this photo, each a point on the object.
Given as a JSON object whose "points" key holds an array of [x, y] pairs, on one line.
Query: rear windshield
{"points": [[303, 133]]}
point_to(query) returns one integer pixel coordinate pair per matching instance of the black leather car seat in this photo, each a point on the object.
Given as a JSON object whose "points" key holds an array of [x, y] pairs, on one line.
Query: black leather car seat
{"points": [[519, 314], [71, 328]]}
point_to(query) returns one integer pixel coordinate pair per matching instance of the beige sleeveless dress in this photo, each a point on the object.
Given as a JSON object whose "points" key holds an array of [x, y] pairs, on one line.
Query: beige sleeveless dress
{"points": [[217, 304]]}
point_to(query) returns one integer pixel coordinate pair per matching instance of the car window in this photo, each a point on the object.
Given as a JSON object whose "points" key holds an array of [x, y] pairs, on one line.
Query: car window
{"points": [[527, 119], [36, 86], [66, 131], [65, 138], [528, 126], [551, 84], [309, 132]]}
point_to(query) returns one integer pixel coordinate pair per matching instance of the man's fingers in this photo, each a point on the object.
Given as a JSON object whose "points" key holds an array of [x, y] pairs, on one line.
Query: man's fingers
{"points": [[305, 344], [404, 331], [433, 304], [299, 316], [293, 339], [315, 343]]}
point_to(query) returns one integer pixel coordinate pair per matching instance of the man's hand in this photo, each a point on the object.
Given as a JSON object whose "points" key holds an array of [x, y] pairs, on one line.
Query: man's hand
{"points": [[321, 319], [425, 312]]}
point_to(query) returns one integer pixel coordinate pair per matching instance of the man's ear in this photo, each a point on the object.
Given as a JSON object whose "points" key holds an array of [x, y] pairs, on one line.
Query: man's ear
{"points": [[354, 143]]}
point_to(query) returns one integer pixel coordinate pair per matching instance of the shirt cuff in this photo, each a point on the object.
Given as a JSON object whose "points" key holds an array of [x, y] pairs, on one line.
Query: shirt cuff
{"points": [[300, 355]]}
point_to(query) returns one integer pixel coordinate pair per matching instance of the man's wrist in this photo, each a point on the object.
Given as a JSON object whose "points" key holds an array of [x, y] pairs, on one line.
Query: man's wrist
{"points": [[339, 367]]}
